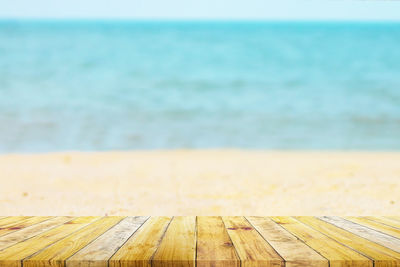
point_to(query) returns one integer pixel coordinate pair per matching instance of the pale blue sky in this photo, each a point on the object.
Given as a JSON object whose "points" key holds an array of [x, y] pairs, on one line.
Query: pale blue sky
{"points": [[203, 9]]}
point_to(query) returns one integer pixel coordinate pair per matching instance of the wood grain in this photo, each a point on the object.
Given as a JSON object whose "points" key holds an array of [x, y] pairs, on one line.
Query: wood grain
{"points": [[385, 220], [97, 253], [251, 247], [214, 246], [390, 230], [12, 227], [382, 256], [13, 255], [365, 232], [336, 253], [199, 241], [178, 246], [140, 248], [33, 230], [5, 222], [396, 218], [293, 251], [56, 254]]}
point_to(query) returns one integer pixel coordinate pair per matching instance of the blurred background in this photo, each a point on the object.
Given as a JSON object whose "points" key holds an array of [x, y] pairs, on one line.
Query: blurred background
{"points": [[301, 78], [83, 83]]}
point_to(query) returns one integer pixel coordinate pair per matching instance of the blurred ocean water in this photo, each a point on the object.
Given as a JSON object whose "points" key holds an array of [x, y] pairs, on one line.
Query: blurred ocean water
{"points": [[102, 85]]}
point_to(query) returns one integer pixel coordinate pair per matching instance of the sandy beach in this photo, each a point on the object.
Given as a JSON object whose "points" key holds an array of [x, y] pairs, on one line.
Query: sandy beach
{"points": [[201, 182]]}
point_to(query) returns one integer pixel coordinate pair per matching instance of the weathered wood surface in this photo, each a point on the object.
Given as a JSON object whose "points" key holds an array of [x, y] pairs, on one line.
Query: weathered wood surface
{"points": [[15, 254], [31, 231], [14, 226], [214, 246], [7, 221], [141, 246], [100, 251], [292, 250], [178, 246], [56, 254], [199, 241], [390, 230], [251, 247], [337, 253], [382, 256], [365, 232], [390, 221]]}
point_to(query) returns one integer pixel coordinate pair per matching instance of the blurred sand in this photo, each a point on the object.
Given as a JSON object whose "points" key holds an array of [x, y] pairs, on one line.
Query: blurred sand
{"points": [[203, 182]]}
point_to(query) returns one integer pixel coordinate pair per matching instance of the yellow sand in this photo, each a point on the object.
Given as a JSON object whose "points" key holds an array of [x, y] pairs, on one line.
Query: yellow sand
{"points": [[207, 182]]}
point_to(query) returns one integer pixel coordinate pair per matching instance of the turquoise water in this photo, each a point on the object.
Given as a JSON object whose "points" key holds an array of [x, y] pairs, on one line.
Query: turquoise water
{"points": [[148, 85]]}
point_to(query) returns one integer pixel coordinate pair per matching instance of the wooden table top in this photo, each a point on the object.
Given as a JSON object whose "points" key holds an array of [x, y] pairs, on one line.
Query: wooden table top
{"points": [[199, 241]]}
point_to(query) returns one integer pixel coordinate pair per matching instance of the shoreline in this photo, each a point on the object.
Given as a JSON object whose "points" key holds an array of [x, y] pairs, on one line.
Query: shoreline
{"points": [[201, 182]]}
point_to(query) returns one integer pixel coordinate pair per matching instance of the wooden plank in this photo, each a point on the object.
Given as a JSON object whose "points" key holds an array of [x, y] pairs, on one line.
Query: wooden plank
{"points": [[336, 253], [214, 246], [221, 242], [368, 233], [381, 255], [178, 246], [251, 247], [13, 255], [141, 246], [97, 253], [11, 220], [395, 218], [375, 225], [9, 228], [56, 254], [384, 220], [28, 232], [292, 250]]}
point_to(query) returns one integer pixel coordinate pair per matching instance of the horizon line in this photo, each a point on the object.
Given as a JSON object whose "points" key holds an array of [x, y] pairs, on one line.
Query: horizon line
{"points": [[127, 19]]}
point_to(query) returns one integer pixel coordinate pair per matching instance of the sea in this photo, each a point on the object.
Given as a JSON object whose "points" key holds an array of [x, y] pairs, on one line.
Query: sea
{"points": [[98, 85]]}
